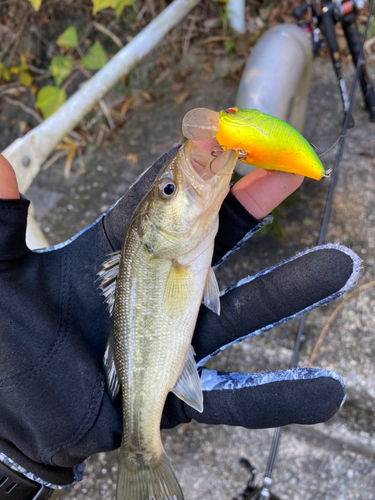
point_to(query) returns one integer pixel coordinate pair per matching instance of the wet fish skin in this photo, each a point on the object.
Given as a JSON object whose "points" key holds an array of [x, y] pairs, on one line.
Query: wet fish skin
{"points": [[164, 267]]}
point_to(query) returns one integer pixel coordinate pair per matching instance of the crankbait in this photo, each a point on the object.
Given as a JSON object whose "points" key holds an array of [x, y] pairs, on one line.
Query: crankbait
{"points": [[260, 140]]}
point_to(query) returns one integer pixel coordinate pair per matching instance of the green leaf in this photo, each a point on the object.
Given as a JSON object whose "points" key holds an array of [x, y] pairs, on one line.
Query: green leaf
{"points": [[69, 38], [102, 4], [36, 4], [121, 4], [4, 73], [95, 59], [117, 5], [49, 99], [61, 67], [25, 78]]}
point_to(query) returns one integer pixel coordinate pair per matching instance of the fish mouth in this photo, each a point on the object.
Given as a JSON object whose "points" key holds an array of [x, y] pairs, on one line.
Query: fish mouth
{"points": [[204, 168]]}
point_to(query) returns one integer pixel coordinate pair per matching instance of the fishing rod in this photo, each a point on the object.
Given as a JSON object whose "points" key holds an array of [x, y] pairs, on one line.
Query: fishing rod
{"points": [[325, 14], [264, 492]]}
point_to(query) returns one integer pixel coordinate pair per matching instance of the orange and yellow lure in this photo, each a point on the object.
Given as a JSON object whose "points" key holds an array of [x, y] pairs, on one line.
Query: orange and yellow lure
{"points": [[260, 139]]}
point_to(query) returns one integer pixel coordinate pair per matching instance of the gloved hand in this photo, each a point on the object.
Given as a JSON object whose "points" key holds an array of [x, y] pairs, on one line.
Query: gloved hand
{"points": [[54, 407]]}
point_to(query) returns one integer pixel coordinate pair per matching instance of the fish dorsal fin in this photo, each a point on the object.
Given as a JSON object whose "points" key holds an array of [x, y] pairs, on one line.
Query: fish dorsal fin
{"points": [[107, 277], [177, 290], [189, 387], [211, 297], [112, 378]]}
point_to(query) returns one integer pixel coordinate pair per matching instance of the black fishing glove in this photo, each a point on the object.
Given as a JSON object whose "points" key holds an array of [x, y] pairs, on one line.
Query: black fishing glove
{"points": [[54, 407]]}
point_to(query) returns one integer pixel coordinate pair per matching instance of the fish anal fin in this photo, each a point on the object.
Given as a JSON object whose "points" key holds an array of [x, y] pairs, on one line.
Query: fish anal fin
{"points": [[177, 291], [211, 297], [189, 387], [112, 378]]}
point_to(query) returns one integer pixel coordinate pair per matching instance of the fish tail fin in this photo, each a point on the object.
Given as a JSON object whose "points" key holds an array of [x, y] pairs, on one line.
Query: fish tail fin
{"points": [[142, 478]]}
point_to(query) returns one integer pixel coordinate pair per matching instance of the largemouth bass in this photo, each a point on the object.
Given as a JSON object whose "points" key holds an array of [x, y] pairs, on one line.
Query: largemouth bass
{"points": [[261, 140], [163, 272]]}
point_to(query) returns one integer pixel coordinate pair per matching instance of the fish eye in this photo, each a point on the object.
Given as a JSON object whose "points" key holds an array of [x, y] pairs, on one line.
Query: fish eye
{"points": [[166, 189]]}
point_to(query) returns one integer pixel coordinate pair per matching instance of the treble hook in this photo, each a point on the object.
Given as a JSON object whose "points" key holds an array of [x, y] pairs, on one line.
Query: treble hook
{"points": [[218, 149], [328, 173], [241, 154], [215, 151]]}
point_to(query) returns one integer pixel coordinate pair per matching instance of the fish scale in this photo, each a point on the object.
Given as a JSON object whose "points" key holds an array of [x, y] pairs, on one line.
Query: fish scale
{"points": [[149, 354]]}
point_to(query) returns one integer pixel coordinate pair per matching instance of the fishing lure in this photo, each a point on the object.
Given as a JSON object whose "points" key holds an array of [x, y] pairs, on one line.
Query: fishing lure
{"points": [[260, 140]]}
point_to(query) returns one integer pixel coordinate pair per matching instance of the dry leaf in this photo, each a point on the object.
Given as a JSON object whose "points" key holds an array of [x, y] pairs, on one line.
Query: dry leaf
{"points": [[217, 38], [125, 107], [54, 158], [178, 87], [207, 67], [215, 50], [264, 13], [180, 76], [161, 76], [179, 98], [146, 95], [22, 126], [211, 23], [68, 163], [132, 157], [164, 60]]}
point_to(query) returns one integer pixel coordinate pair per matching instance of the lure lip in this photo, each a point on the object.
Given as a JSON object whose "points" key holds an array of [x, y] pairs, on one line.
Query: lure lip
{"points": [[200, 124], [207, 174]]}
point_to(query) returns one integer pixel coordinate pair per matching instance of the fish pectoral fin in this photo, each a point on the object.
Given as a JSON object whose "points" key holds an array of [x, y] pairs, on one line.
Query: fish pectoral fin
{"points": [[211, 297], [107, 278], [177, 290], [111, 376], [189, 387]]}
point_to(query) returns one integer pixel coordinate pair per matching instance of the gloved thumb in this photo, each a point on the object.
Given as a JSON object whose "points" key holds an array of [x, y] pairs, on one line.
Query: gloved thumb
{"points": [[8, 181]]}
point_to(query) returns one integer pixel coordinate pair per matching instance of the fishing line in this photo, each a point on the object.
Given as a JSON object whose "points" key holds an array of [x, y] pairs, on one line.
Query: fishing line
{"points": [[265, 490], [329, 149]]}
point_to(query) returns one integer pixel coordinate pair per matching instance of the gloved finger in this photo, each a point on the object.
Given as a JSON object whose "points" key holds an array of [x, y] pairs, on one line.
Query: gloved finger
{"points": [[13, 215], [262, 400], [13, 219], [256, 304], [236, 226], [245, 209]]}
